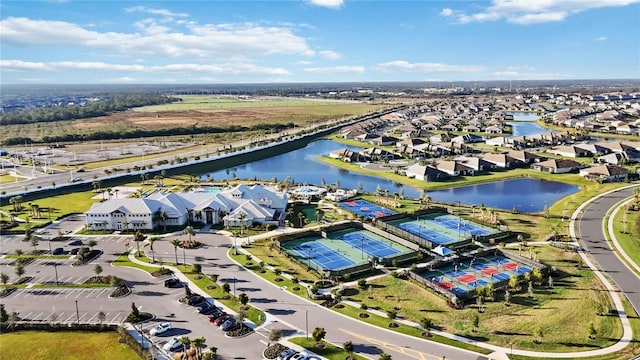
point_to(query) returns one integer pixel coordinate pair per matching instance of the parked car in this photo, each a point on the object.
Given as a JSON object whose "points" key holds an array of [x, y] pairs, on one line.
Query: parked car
{"points": [[230, 324], [76, 179], [172, 345], [195, 300], [74, 251], [221, 320], [216, 314], [285, 355], [297, 356], [173, 282], [75, 243], [58, 251], [206, 308], [310, 357], [161, 328]]}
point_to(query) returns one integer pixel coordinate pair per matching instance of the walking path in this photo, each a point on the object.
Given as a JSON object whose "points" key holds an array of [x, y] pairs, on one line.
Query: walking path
{"points": [[499, 353]]}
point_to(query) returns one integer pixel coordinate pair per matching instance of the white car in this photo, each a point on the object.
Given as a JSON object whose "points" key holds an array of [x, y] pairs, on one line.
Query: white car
{"points": [[162, 328], [172, 344]]}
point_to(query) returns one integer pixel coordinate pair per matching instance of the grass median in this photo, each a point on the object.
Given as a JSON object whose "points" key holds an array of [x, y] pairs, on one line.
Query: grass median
{"points": [[626, 227]]}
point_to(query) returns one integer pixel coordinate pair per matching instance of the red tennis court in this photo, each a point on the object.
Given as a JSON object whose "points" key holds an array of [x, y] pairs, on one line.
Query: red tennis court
{"points": [[364, 208], [351, 203], [466, 278], [489, 271], [378, 213], [511, 266], [445, 284]]}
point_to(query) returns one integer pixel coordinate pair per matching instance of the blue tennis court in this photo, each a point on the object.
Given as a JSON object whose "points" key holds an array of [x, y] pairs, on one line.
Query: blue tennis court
{"points": [[366, 209], [323, 256], [426, 233], [368, 244], [457, 224]]}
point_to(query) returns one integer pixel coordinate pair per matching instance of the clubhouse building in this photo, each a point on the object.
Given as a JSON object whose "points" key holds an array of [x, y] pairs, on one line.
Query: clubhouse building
{"points": [[238, 206]]}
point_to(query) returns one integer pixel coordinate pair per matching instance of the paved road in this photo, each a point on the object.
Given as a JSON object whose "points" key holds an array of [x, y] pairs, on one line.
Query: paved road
{"points": [[594, 241]]}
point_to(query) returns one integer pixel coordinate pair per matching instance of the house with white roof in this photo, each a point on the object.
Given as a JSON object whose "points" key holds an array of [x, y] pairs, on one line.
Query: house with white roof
{"points": [[241, 205]]}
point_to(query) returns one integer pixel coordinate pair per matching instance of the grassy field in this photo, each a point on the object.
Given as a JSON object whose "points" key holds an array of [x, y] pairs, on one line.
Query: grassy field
{"points": [[40, 345], [626, 226], [208, 102], [328, 351], [198, 111]]}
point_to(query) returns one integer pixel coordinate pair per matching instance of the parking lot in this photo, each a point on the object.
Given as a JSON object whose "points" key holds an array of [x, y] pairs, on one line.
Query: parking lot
{"points": [[70, 317], [62, 293]]}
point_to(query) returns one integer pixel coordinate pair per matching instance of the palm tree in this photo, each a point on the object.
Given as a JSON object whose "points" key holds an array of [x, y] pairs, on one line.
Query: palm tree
{"points": [[189, 230], [139, 236], [242, 217], [197, 344], [34, 243], [150, 242], [163, 217], [96, 185], [301, 217], [175, 243], [184, 340]]}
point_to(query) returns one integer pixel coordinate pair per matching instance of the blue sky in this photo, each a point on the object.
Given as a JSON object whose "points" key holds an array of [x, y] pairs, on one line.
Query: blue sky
{"points": [[317, 41]]}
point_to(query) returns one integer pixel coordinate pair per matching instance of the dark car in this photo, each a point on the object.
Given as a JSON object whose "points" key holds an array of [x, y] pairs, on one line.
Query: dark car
{"points": [[58, 251], [230, 324], [172, 283], [206, 308], [195, 300], [75, 243], [216, 314], [74, 251]]}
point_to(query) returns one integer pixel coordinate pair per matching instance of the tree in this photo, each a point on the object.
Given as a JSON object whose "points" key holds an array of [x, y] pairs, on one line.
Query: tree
{"points": [[97, 269], [4, 278], [318, 334], [426, 323], [243, 298], [197, 344], [592, 331], [536, 276], [475, 321], [149, 242], [384, 356], [507, 296], [189, 230], [138, 237], [101, 317], [163, 218], [92, 243], [3, 314], [537, 335], [34, 243], [301, 219], [348, 347], [175, 243], [184, 340], [275, 335], [513, 282], [226, 287], [19, 269], [135, 313]]}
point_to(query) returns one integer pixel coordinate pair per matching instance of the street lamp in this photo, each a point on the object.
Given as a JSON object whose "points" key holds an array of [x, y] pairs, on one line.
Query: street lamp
{"points": [[77, 313], [49, 241], [309, 258], [362, 247], [234, 286], [306, 321]]}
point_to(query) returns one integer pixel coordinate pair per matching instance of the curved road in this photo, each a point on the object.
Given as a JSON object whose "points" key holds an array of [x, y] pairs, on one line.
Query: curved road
{"points": [[594, 241]]}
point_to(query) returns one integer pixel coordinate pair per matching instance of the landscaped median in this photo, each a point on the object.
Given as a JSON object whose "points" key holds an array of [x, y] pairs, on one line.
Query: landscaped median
{"points": [[204, 282], [626, 229]]}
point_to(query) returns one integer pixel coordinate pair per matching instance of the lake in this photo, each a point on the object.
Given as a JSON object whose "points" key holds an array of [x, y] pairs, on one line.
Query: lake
{"points": [[301, 165], [525, 194], [524, 123]]}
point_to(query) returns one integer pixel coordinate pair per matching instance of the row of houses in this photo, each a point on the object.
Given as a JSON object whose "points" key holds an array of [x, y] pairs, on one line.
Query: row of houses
{"points": [[606, 151]]}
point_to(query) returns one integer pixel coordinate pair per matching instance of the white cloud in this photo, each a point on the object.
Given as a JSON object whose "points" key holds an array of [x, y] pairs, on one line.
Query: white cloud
{"points": [[516, 75], [354, 69], [162, 12], [601, 38], [303, 62], [333, 4], [220, 41], [401, 65], [526, 12], [224, 68], [330, 55]]}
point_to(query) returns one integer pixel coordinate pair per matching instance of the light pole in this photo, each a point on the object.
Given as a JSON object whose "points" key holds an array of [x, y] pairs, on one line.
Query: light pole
{"points": [[55, 269], [309, 259], [362, 247], [306, 321], [77, 313], [184, 256], [234, 286], [49, 241]]}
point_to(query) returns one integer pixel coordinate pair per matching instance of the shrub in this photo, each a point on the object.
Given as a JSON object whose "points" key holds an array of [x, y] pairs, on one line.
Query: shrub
{"points": [[362, 284], [197, 268]]}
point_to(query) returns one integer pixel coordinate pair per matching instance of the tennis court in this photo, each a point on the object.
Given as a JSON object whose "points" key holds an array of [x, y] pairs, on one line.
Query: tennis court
{"points": [[456, 223], [469, 274], [426, 233], [366, 209], [369, 244], [325, 257]]}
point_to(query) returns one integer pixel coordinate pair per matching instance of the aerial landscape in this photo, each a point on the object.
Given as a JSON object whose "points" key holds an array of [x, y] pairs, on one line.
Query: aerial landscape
{"points": [[320, 179]]}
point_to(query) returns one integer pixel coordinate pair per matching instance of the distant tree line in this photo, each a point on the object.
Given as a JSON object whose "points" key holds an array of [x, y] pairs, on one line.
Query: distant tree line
{"points": [[137, 133], [111, 103]]}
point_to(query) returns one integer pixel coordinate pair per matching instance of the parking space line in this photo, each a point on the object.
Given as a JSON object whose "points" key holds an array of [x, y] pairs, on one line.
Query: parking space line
{"points": [[79, 292], [69, 293], [27, 316], [69, 318], [115, 317], [83, 315], [93, 317]]}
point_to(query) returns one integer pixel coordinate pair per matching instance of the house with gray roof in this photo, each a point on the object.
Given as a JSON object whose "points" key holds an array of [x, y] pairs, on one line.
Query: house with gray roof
{"points": [[257, 204]]}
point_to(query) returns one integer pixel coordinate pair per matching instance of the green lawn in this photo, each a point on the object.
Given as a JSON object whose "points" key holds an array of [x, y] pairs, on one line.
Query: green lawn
{"points": [[328, 351], [64, 345], [626, 226]]}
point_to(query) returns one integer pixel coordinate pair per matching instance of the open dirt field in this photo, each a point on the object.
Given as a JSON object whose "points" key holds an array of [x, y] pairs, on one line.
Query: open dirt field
{"points": [[268, 113]]}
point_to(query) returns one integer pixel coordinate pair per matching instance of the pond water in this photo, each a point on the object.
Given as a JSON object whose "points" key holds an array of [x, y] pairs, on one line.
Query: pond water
{"points": [[301, 165], [523, 116], [526, 194], [524, 123]]}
